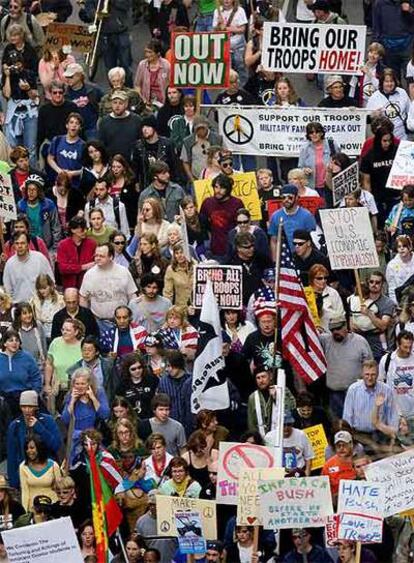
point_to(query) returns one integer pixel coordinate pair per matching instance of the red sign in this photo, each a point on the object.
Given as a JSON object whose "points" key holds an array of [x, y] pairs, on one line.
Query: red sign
{"points": [[312, 204]]}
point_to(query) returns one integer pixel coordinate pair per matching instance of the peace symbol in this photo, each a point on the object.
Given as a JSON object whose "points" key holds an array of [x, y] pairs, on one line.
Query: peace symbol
{"points": [[238, 129]]}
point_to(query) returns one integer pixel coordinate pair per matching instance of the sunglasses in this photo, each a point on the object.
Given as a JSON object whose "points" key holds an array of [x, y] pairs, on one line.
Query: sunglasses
{"points": [[321, 277], [247, 247], [57, 91], [118, 242], [299, 243], [243, 222], [227, 164]]}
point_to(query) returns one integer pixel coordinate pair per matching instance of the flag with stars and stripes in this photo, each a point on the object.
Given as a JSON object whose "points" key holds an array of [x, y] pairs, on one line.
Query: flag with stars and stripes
{"points": [[299, 338]]}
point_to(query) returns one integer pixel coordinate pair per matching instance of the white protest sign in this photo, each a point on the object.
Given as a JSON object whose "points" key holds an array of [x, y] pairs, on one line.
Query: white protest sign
{"points": [[402, 169], [397, 475], [360, 505], [302, 502], [349, 238], [248, 505], [233, 457], [276, 131], [298, 47], [7, 204], [345, 182], [50, 542]]}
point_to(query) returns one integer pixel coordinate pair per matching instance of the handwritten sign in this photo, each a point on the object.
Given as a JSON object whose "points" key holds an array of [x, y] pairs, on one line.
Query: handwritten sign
{"points": [[233, 457], [302, 502], [331, 530], [227, 285], [312, 204], [402, 169], [7, 203], [248, 506], [167, 508], [397, 474], [317, 438], [77, 36], [244, 187], [190, 533], [345, 182], [349, 238]]}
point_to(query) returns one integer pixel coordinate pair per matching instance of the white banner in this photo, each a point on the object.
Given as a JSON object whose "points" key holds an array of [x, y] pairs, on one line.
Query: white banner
{"points": [[323, 48], [402, 170], [275, 131]]}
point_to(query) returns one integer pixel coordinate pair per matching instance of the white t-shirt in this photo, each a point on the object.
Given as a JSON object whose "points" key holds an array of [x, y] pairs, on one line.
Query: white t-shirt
{"points": [[400, 377], [297, 448], [245, 554], [240, 18], [395, 107]]}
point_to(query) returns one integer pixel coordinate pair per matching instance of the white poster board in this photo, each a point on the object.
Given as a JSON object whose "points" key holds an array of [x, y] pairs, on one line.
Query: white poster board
{"points": [[402, 169], [349, 238], [8, 211]]}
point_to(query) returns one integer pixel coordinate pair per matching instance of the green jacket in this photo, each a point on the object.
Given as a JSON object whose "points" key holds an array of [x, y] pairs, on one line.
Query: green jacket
{"points": [[266, 408]]}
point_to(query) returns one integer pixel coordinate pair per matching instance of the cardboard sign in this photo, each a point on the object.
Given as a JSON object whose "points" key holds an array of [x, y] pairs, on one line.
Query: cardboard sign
{"points": [[167, 508], [298, 47], [312, 204], [233, 457], [8, 209], [248, 506], [227, 285], [302, 502], [77, 36], [360, 505], [345, 182], [402, 169], [397, 474], [190, 533], [331, 530], [200, 59], [244, 187], [281, 131], [50, 542], [349, 238], [317, 438]]}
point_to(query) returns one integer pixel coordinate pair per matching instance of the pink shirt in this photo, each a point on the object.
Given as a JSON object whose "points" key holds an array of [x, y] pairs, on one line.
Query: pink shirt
{"points": [[319, 167]]}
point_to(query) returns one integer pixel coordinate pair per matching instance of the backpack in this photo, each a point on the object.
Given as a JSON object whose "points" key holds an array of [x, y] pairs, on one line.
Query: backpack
{"points": [[115, 200], [29, 23]]}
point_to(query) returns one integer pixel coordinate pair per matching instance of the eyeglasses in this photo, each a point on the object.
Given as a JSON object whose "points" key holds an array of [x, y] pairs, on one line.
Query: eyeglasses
{"points": [[243, 222], [299, 243], [119, 242], [57, 92], [227, 164], [321, 277], [135, 368]]}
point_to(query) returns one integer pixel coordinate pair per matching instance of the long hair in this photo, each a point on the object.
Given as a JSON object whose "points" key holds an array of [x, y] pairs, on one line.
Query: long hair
{"points": [[293, 97], [175, 265], [128, 173], [135, 442], [43, 280], [18, 310]]}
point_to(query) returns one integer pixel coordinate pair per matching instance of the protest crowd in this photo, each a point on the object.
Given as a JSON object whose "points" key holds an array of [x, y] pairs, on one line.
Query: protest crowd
{"points": [[207, 282]]}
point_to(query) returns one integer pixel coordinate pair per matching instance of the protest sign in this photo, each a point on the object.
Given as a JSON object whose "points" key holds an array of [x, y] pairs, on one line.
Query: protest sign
{"points": [[244, 187], [317, 438], [233, 457], [345, 182], [298, 47], [227, 285], [397, 474], [49, 542], [248, 505], [7, 204], [167, 508], [190, 533], [312, 204], [302, 502], [200, 59], [360, 505], [402, 169], [331, 530], [63, 34], [349, 238], [280, 131]]}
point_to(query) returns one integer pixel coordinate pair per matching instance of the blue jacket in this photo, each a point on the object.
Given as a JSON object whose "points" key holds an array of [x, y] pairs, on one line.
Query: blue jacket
{"points": [[307, 158], [47, 430], [52, 229], [19, 372]]}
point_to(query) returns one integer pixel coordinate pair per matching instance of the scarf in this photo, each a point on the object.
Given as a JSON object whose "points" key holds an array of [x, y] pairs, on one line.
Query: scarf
{"points": [[182, 487]]}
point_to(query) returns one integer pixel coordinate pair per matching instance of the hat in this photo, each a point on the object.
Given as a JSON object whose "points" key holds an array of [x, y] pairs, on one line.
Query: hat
{"points": [[302, 234], [149, 121], [119, 95], [214, 544], [29, 399], [288, 418], [333, 79], [320, 5], [200, 121], [42, 503], [264, 309], [289, 189], [72, 69], [269, 274], [36, 180], [4, 484], [337, 322], [224, 155], [342, 436], [152, 495]]}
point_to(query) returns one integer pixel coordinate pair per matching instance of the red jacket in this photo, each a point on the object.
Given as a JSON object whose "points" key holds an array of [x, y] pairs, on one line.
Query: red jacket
{"points": [[70, 259]]}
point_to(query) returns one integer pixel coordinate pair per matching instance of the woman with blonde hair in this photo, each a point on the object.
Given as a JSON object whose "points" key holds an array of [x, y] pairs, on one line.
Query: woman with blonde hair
{"points": [[297, 177], [177, 333], [46, 302], [178, 279], [6, 312], [150, 221]]}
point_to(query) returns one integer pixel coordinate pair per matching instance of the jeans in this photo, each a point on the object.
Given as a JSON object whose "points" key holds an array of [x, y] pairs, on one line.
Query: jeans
{"points": [[238, 64], [28, 138], [117, 52], [204, 23], [245, 161], [336, 402]]}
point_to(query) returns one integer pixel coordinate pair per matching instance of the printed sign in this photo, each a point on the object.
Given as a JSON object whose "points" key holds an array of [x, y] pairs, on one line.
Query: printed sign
{"points": [[7, 204], [248, 506], [244, 187], [190, 533], [279, 131], [331, 530], [312, 204], [397, 474], [200, 59], [360, 505], [345, 182], [49, 542], [317, 438], [233, 457], [77, 36], [402, 169], [328, 49], [227, 285], [302, 502], [349, 238], [167, 508]]}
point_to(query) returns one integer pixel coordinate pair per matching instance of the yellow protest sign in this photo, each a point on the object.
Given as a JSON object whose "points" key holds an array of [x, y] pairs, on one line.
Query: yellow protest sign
{"points": [[317, 437], [248, 505], [311, 301], [245, 188], [168, 506]]}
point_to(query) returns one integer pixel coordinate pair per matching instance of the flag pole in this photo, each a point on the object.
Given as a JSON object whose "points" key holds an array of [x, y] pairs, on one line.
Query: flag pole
{"points": [[121, 542], [277, 277]]}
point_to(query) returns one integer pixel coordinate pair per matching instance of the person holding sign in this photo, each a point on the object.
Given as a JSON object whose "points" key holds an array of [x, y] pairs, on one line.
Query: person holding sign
{"points": [[401, 217]]}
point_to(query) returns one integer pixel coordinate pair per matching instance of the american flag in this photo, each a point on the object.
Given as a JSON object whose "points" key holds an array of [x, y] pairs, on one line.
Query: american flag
{"points": [[300, 343]]}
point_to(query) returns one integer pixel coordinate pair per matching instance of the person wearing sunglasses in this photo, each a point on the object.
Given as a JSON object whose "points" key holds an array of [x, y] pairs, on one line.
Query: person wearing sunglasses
{"points": [[328, 300], [118, 241], [305, 255], [244, 225]]}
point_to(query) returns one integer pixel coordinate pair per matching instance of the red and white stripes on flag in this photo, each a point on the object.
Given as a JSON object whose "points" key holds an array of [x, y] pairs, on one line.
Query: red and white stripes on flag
{"points": [[299, 338]]}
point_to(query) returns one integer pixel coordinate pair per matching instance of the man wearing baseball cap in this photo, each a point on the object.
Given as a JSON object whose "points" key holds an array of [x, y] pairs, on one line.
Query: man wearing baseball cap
{"points": [[340, 465]]}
